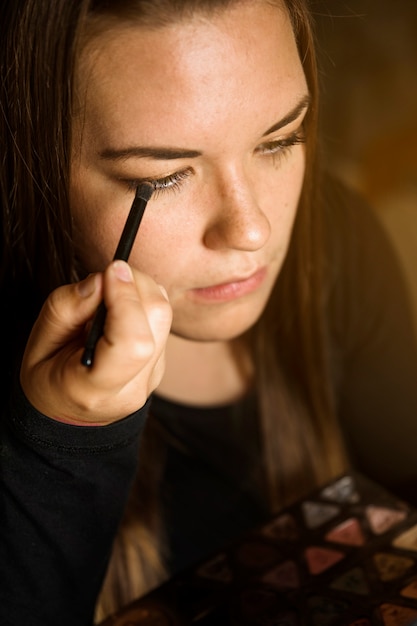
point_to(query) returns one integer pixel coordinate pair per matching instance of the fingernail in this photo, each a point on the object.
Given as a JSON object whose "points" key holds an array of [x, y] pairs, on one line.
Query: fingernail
{"points": [[87, 286], [122, 271]]}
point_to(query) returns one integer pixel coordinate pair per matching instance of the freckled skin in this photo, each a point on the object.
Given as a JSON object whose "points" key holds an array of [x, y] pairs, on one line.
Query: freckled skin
{"points": [[228, 96], [213, 86]]}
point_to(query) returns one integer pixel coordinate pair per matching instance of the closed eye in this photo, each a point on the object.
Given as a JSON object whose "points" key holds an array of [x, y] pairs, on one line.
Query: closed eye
{"points": [[172, 182], [281, 147]]}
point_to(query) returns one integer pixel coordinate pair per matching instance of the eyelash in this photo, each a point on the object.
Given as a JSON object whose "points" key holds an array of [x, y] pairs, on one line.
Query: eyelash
{"points": [[280, 147], [167, 183], [172, 182]]}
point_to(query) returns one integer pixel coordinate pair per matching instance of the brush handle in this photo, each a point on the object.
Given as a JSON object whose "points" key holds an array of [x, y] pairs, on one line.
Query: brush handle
{"points": [[124, 247]]}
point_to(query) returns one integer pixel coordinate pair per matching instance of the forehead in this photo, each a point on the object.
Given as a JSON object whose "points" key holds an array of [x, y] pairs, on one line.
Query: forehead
{"points": [[191, 73]]}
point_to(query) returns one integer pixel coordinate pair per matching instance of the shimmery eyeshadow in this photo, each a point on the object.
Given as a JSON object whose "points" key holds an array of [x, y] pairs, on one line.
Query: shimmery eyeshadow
{"points": [[343, 490], [407, 540], [411, 590], [347, 555], [285, 576], [382, 519], [394, 615], [216, 569], [391, 566], [320, 559], [282, 528], [353, 581], [316, 514], [349, 533]]}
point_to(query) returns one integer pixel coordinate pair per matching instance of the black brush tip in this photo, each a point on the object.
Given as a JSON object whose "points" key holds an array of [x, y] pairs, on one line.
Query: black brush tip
{"points": [[144, 191]]}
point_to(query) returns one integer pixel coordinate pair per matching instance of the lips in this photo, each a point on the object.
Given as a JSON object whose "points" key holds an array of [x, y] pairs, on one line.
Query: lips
{"points": [[232, 289]]}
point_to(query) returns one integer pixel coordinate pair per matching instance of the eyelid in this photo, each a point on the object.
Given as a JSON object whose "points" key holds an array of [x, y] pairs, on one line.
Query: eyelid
{"points": [[282, 136], [160, 184], [287, 141]]}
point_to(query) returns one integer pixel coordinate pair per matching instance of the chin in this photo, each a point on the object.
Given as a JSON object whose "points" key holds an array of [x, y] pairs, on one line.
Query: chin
{"points": [[215, 325]]}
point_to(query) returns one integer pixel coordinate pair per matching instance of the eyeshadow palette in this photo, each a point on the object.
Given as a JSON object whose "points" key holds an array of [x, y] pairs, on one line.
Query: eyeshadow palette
{"points": [[345, 556]]}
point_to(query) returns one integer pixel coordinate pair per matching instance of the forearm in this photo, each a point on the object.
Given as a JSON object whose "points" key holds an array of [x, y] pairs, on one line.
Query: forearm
{"points": [[64, 489]]}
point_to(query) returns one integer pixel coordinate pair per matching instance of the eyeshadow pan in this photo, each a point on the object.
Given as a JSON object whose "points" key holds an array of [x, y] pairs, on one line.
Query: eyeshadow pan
{"points": [[320, 559], [285, 576], [349, 533], [317, 514], [382, 519], [395, 615], [353, 581], [410, 591], [283, 528], [343, 490], [407, 540], [391, 566]]}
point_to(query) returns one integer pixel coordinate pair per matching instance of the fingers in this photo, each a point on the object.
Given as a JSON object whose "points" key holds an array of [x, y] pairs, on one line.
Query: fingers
{"points": [[63, 316], [129, 357], [137, 324]]}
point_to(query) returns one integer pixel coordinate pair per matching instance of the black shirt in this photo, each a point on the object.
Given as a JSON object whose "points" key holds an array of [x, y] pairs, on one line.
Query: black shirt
{"points": [[213, 462]]}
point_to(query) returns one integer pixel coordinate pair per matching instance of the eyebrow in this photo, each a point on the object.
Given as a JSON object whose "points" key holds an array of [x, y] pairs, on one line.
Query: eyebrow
{"points": [[293, 115], [162, 153]]}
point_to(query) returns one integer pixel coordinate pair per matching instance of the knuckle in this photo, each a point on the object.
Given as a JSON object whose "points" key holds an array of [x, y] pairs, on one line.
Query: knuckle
{"points": [[53, 309], [53, 301]]}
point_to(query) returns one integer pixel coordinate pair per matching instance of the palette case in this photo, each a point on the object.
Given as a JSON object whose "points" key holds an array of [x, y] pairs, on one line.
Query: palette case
{"points": [[344, 556]]}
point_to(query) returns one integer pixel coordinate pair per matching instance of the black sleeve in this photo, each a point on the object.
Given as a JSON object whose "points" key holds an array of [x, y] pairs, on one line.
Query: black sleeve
{"points": [[63, 491], [375, 356]]}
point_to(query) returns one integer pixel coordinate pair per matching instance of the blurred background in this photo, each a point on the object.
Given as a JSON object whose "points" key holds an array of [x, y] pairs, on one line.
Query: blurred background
{"points": [[368, 58]]}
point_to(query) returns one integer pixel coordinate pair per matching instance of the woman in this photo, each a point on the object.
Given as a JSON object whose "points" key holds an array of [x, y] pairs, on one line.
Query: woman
{"points": [[250, 307]]}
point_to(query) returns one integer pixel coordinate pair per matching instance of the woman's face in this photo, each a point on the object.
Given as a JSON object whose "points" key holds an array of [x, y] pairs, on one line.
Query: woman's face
{"points": [[212, 110]]}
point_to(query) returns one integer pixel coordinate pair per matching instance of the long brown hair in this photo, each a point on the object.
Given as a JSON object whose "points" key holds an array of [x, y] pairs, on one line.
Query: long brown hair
{"points": [[39, 44]]}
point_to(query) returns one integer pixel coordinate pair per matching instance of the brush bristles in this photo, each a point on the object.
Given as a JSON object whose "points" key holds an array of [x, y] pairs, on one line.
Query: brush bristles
{"points": [[144, 191]]}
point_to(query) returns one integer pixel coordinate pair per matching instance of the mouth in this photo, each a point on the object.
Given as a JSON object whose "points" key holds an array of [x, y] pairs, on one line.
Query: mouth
{"points": [[230, 290]]}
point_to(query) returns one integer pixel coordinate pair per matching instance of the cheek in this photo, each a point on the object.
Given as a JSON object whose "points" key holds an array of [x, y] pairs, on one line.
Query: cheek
{"points": [[163, 246], [284, 199]]}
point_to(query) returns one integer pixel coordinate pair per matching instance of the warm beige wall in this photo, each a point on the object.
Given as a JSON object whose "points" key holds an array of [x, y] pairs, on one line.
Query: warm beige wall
{"points": [[369, 109]]}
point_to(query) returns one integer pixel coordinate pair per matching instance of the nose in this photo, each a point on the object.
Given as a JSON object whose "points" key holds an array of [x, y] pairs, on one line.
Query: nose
{"points": [[238, 221]]}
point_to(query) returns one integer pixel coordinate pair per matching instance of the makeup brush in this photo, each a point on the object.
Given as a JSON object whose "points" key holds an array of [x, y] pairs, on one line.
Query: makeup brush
{"points": [[142, 197]]}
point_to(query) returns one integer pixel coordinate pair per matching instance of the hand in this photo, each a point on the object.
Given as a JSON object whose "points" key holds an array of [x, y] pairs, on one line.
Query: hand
{"points": [[129, 357]]}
